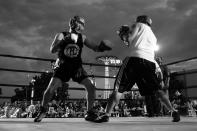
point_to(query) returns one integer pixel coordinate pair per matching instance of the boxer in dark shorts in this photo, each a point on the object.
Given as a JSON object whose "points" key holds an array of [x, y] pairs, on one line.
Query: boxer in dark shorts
{"points": [[68, 46], [139, 67], [66, 71], [139, 71]]}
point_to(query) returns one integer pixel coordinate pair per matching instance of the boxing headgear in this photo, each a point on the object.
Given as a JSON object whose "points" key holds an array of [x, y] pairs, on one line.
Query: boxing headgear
{"points": [[77, 23], [144, 19]]}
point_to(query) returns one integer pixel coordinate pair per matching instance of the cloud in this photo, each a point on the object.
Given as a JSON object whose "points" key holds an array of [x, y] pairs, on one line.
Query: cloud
{"points": [[36, 22], [79, 2]]}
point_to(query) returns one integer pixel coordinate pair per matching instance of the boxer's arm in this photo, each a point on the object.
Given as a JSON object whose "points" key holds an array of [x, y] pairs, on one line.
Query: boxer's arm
{"points": [[104, 45], [133, 33], [90, 44], [56, 43]]}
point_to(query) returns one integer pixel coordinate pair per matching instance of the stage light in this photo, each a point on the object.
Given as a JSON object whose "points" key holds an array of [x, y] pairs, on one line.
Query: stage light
{"points": [[156, 48]]}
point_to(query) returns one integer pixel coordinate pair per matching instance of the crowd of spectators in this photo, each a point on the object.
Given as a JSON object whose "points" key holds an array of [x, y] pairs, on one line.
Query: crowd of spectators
{"points": [[77, 108], [72, 108]]}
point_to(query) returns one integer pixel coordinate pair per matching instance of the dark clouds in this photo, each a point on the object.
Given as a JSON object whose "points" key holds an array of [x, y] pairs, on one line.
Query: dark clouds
{"points": [[34, 23], [31, 25], [28, 26]]}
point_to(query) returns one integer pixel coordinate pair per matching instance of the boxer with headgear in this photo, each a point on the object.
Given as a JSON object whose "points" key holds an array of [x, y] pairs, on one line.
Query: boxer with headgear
{"points": [[68, 46], [138, 67]]}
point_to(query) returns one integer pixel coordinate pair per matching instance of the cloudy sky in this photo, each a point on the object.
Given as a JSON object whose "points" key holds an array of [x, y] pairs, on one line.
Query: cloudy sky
{"points": [[27, 28]]}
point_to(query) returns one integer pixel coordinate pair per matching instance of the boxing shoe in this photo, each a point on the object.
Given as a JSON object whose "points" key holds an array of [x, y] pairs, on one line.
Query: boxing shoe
{"points": [[41, 115], [175, 116], [102, 118], [91, 115]]}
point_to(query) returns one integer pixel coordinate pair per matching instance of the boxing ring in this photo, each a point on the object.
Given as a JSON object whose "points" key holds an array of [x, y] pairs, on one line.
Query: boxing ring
{"points": [[79, 124], [115, 124]]}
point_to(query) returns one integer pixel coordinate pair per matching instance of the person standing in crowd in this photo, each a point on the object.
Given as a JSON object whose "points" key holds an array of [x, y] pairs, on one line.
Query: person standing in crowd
{"points": [[68, 46], [152, 101], [138, 67], [164, 76]]}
